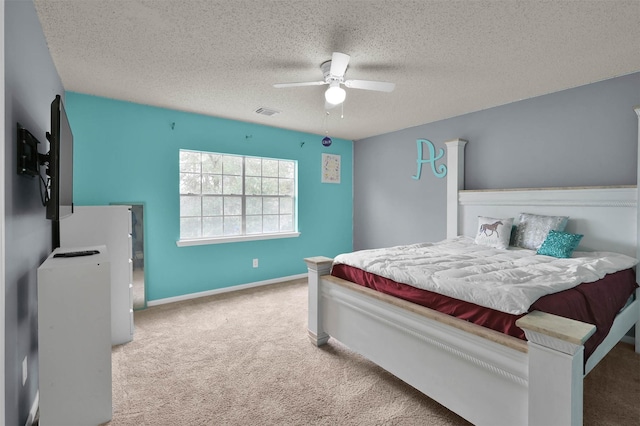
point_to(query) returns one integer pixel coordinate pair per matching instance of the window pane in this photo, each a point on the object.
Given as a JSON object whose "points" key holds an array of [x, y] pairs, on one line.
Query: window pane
{"points": [[190, 227], [232, 184], [253, 166], [270, 205], [232, 206], [211, 184], [270, 186], [270, 168], [286, 206], [189, 183], [212, 227], [254, 224], [287, 169], [286, 187], [254, 205], [229, 195], [190, 206], [232, 225], [211, 163], [212, 206], [252, 186], [286, 223], [231, 165], [189, 161], [270, 223]]}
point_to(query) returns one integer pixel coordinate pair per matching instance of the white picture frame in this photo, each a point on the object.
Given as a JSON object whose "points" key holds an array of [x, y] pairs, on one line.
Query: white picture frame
{"points": [[330, 168]]}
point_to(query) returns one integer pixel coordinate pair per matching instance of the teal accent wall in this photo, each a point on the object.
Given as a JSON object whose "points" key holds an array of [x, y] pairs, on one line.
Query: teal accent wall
{"points": [[126, 152]]}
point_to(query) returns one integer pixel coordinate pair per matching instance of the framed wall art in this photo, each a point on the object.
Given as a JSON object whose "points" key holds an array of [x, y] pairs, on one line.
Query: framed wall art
{"points": [[330, 168]]}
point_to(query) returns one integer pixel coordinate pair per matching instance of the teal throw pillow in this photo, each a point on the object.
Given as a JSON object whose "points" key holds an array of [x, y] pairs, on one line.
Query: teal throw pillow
{"points": [[559, 244]]}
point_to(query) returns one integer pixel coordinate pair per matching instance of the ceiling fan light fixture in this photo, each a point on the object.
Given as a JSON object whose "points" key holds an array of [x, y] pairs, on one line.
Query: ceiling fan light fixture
{"points": [[335, 94]]}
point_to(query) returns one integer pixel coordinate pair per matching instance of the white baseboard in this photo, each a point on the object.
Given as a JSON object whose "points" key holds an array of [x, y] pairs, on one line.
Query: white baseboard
{"points": [[34, 410], [223, 290]]}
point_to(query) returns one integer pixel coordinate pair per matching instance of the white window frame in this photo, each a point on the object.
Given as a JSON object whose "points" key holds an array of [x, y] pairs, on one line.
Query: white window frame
{"points": [[186, 241]]}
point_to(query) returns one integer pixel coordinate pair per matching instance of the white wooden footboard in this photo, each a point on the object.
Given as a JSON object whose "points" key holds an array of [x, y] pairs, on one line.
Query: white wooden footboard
{"points": [[484, 376]]}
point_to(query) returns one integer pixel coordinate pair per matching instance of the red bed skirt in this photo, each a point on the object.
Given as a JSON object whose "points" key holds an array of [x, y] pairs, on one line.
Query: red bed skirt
{"points": [[595, 303]]}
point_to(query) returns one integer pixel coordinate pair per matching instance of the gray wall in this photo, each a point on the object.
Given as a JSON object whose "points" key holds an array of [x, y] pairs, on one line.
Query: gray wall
{"points": [[585, 136], [31, 83]]}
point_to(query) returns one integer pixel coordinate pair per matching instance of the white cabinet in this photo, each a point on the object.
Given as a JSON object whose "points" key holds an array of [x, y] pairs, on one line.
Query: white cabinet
{"points": [[74, 339], [111, 226]]}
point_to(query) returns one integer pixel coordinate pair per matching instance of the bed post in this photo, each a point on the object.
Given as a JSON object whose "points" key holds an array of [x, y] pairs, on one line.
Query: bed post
{"points": [[637, 328], [556, 368], [455, 182], [317, 266]]}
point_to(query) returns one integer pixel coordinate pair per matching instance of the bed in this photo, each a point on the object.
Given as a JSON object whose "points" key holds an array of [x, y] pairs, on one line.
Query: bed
{"points": [[476, 284], [485, 376]]}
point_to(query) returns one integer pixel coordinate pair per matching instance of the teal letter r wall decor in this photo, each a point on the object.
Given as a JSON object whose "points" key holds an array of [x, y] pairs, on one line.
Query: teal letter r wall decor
{"points": [[440, 171]]}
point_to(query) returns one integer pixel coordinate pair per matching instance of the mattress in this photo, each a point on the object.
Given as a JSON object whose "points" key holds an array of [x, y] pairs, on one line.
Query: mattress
{"points": [[505, 280]]}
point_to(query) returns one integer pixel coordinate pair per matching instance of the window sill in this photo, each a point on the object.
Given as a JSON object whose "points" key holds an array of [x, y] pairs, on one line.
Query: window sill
{"points": [[235, 239]]}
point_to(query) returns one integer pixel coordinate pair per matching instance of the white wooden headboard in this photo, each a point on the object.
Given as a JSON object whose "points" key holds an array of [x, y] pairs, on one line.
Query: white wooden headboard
{"points": [[605, 216], [608, 217]]}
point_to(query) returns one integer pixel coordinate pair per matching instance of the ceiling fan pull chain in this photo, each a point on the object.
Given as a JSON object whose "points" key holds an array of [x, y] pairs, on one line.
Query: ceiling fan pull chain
{"points": [[326, 123], [326, 141]]}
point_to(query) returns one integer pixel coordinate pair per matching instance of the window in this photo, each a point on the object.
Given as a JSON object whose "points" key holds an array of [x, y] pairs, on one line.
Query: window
{"points": [[227, 197]]}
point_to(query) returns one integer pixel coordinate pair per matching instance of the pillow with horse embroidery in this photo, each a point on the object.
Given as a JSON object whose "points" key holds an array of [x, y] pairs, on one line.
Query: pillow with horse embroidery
{"points": [[494, 232]]}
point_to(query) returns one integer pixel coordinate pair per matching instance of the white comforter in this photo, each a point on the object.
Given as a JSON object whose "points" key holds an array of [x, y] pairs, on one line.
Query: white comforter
{"points": [[505, 280]]}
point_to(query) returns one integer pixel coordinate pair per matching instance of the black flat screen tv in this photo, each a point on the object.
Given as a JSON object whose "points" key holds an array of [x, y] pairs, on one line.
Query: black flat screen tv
{"points": [[60, 168]]}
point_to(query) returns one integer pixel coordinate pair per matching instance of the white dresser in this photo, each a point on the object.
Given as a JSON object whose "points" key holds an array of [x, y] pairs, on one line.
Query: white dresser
{"points": [[74, 339], [111, 226]]}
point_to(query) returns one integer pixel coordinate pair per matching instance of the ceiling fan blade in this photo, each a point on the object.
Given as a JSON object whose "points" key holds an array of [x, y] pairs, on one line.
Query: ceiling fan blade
{"points": [[379, 86], [305, 83], [339, 62]]}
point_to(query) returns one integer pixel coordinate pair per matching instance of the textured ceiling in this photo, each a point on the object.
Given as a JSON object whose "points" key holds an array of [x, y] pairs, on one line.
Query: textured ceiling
{"points": [[447, 58]]}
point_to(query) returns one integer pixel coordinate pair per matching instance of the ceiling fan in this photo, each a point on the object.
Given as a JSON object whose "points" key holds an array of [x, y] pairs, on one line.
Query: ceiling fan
{"points": [[333, 71]]}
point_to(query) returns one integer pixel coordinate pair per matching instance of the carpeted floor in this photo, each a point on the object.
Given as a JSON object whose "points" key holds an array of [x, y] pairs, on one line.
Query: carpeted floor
{"points": [[244, 358]]}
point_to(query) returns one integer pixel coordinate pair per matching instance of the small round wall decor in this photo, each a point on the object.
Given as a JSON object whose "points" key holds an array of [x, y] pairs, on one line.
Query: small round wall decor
{"points": [[326, 141]]}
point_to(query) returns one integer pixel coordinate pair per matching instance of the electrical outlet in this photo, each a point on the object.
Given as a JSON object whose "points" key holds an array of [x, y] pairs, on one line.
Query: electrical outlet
{"points": [[255, 263], [25, 370]]}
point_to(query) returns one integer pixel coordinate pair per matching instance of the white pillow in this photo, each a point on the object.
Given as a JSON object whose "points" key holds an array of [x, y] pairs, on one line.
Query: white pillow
{"points": [[494, 232], [533, 229]]}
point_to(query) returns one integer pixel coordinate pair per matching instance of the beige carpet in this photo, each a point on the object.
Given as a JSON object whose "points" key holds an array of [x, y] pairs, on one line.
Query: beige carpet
{"points": [[244, 358]]}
